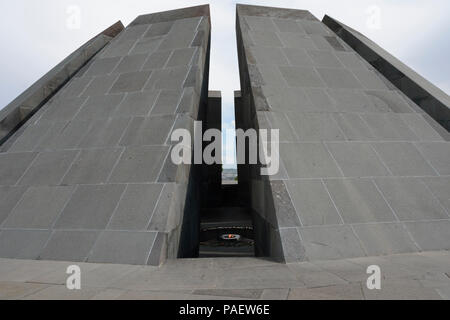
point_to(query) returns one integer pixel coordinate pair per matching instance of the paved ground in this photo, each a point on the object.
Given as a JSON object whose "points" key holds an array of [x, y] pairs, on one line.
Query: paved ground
{"points": [[405, 276]]}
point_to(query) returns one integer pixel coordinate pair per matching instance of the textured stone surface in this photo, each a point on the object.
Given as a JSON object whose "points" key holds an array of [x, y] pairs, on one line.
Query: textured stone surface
{"points": [[358, 156], [23, 107], [404, 276], [90, 159], [424, 95], [83, 178], [364, 167]]}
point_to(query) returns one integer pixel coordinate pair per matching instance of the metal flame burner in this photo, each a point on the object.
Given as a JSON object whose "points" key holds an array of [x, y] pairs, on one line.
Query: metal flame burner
{"points": [[230, 237]]}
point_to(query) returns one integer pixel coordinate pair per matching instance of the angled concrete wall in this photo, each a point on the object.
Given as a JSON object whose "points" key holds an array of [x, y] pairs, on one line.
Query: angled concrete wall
{"points": [[15, 114], [89, 176], [427, 96], [363, 173]]}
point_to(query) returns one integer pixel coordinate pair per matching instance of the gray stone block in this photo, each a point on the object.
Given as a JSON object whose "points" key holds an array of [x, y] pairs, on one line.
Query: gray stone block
{"points": [[75, 87], [315, 127], [170, 78], [438, 155], [403, 159], [265, 38], [293, 250], [100, 85], [351, 291], [99, 107], [92, 166], [181, 57], [159, 29], [39, 208], [430, 235], [359, 201], [339, 78], [440, 187], [119, 48], [132, 63], [136, 207], [410, 199], [320, 100], [288, 25], [101, 67], [267, 55], [193, 79], [330, 243], [421, 127], [369, 79], [388, 100], [48, 168], [313, 275], [312, 202], [301, 77], [133, 32], [389, 127], [62, 109], [287, 99], [349, 59], [401, 289], [139, 164], [335, 43], [308, 160], [181, 35], [265, 74], [167, 102], [297, 40], [286, 215], [148, 131], [146, 46], [160, 218], [9, 197], [357, 159], [385, 238], [122, 247], [157, 254], [322, 58], [157, 60], [49, 138], [298, 57], [90, 207], [104, 133], [260, 23], [313, 27], [236, 294], [68, 137], [278, 120], [19, 290], [353, 101], [30, 138], [353, 127], [137, 104], [21, 244], [69, 246], [130, 82]]}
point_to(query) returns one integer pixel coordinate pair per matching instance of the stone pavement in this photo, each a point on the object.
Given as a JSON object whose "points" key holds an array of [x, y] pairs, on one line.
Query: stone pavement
{"points": [[405, 276]]}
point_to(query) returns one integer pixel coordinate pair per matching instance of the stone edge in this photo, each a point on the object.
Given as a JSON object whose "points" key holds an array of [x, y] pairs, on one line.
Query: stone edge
{"points": [[16, 113], [427, 96], [177, 14]]}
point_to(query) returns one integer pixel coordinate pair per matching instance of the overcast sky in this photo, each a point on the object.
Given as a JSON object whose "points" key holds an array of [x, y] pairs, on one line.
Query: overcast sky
{"points": [[37, 35]]}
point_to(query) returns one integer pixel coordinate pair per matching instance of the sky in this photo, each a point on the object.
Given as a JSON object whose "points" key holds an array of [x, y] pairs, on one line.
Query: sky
{"points": [[37, 35]]}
